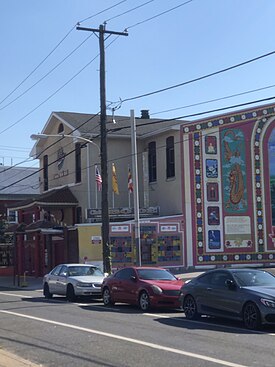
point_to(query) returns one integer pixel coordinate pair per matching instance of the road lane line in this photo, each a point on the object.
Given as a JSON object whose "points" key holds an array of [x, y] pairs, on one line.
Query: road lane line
{"points": [[130, 340]]}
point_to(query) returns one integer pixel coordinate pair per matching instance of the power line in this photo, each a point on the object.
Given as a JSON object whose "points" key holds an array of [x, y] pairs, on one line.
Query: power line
{"points": [[158, 15], [129, 11], [47, 74], [41, 63], [139, 125], [102, 11], [213, 100], [54, 49], [198, 78]]}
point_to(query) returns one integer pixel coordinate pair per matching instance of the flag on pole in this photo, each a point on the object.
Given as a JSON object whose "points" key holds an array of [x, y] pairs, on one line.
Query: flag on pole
{"points": [[114, 180], [130, 181], [98, 179]]}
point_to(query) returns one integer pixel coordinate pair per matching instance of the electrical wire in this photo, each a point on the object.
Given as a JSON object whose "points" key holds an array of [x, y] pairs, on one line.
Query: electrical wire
{"points": [[38, 66], [55, 48], [129, 11], [146, 124], [213, 100], [198, 78], [158, 15], [102, 11], [47, 74]]}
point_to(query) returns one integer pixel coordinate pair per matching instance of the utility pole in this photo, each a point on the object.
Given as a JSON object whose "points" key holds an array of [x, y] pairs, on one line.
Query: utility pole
{"points": [[106, 253]]}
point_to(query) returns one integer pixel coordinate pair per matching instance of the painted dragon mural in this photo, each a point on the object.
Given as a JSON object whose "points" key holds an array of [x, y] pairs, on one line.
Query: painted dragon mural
{"points": [[234, 172]]}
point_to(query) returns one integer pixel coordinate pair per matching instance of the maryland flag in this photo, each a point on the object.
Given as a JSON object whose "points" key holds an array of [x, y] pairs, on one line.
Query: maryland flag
{"points": [[114, 180], [130, 181]]}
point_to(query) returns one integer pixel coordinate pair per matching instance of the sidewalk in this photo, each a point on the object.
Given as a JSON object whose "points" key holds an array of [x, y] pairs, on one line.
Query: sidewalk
{"points": [[28, 283], [8, 359]]}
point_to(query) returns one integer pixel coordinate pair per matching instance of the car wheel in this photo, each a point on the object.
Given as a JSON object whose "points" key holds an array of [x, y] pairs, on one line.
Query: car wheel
{"points": [[70, 294], [190, 308], [144, 301], [251, 316], [46, 291], [107, 299]]}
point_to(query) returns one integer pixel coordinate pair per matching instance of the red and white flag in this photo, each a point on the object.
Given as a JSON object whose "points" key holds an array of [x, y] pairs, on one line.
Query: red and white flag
{"points": [[98, 179], [130, 182]]}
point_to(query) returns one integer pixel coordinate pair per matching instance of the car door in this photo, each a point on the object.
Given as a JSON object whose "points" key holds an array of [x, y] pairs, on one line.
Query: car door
{"points": [[123, 286], [129, 286], [221, 299], [62, 280], [53, 279]]}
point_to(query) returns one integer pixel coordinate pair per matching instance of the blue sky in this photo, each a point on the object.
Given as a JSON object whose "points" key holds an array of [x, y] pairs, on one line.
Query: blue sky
{"points": [[199, 37]]}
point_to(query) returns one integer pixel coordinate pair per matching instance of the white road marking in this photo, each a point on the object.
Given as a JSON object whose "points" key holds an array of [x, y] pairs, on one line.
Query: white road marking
{"points": [[130, 340]]}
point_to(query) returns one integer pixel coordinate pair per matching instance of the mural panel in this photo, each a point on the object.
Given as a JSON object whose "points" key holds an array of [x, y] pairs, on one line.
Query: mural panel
{"points": [[271, 154], [234, 171]]}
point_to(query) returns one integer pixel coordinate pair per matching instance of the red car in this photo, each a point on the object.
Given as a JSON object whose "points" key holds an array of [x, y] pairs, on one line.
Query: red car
{"points": [[144, 286]]}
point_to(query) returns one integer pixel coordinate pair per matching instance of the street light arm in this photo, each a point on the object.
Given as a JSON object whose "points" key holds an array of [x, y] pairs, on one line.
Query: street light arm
{"points": [[45, 136]]}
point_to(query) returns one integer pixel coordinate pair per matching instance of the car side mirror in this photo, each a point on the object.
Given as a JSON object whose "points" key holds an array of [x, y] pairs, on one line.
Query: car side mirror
{"points": [[230, 284], [133, 278]]}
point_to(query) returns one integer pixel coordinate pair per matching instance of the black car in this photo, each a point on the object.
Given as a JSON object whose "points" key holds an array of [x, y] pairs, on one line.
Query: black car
{"points": [[241, 294]]}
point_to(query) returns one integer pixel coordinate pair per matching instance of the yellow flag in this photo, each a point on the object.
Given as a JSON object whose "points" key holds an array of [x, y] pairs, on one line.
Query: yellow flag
{"points": [[114, 180]]}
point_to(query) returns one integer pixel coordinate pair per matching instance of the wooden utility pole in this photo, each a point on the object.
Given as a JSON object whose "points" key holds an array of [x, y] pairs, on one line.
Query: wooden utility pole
{"points": [[103, 147]]}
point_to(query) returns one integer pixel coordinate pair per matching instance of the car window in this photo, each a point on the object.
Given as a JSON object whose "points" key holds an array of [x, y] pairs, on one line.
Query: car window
{"points": [[250, 278], [155, 274], [219, 279], [56, 270], [63, 271], [125, 273], [205, 278]]}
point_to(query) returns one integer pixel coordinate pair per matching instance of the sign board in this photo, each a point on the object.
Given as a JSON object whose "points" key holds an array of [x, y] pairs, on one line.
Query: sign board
{"points": [[125, 213], [96, 240]]}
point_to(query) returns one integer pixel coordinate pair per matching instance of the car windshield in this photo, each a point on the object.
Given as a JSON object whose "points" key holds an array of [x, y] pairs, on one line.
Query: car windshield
{"points": [[84, 270], [155, 274], [254, 278]]}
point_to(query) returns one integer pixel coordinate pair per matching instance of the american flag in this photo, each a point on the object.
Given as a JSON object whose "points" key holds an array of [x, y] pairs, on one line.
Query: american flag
{"points": [[98, 179], [130, 181]]}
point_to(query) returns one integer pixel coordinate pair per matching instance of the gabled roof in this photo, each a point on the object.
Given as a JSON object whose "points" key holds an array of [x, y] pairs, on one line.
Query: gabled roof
{"points": [[62, 197], [90, 124]]}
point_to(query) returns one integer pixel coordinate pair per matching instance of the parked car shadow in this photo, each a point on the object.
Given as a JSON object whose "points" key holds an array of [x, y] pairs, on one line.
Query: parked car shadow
{"points": [[212, 323], [126, 308]]}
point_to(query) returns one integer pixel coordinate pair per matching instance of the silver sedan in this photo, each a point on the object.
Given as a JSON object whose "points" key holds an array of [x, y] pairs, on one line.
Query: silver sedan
{"points": [[73, 280]]}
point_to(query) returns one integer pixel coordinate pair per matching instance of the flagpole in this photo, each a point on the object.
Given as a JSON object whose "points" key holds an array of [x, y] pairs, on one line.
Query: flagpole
{"points": [[95, 188], [135, 184], [129, 196]]}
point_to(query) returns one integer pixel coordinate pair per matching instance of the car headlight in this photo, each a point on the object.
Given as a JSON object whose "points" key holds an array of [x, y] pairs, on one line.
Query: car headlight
{"points": [[268, 302], [156, 289], [80, 284]]}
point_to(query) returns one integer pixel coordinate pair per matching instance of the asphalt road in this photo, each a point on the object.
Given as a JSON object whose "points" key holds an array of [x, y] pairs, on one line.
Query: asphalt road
{"points": [[57, 333]]}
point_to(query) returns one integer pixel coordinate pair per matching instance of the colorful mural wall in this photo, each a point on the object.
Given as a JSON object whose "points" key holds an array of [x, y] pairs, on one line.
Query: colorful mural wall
{"points": [[161, 243], [229, 203]]}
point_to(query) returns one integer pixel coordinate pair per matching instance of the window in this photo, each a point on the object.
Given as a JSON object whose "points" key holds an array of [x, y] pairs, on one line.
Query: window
{"points": [[79, 214], [152, 161], [125, 274], [77, 162], [170, 157], [60, 129], [12, 216], [46, 172]]}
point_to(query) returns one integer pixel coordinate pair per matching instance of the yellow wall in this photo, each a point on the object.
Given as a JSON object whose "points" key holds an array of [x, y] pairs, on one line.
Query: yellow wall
{"points": [[93, 252]]}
